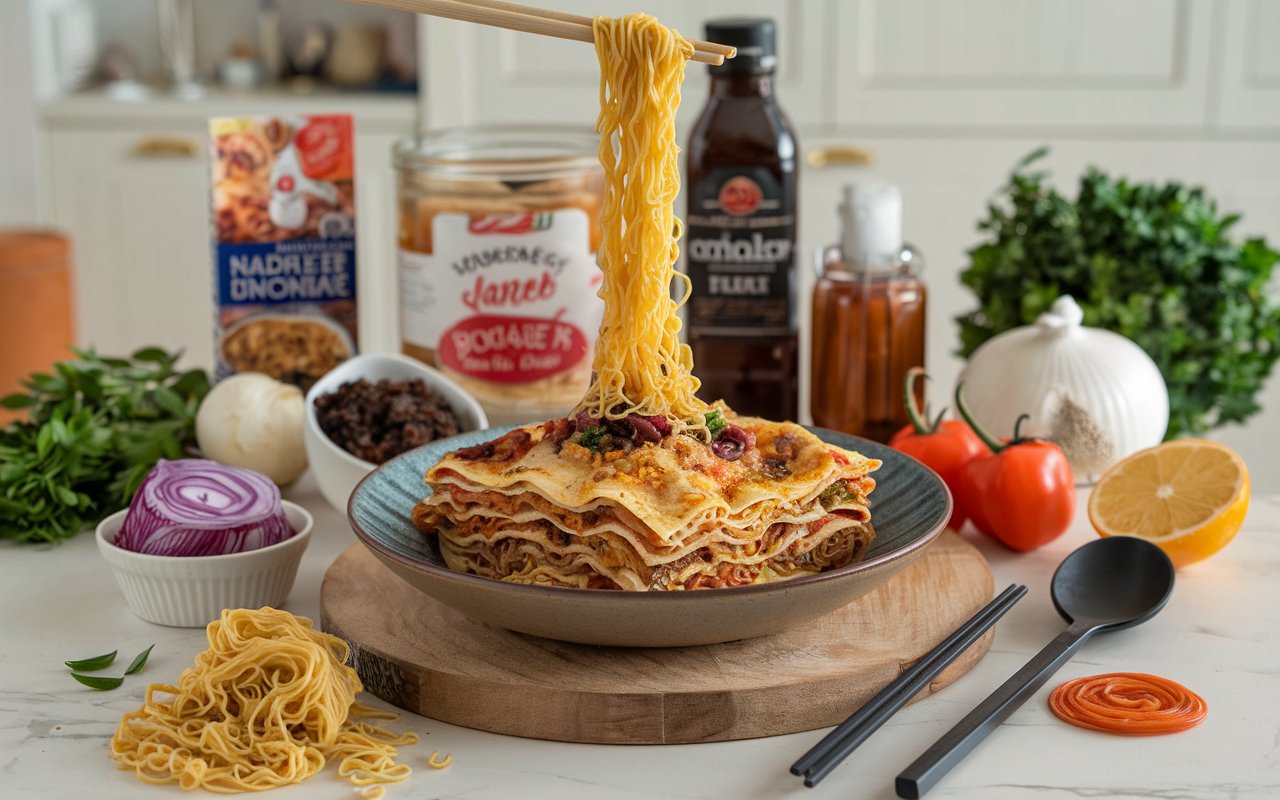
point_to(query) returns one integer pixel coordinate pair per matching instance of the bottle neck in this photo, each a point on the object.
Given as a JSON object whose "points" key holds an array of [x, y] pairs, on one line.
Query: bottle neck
{"points": [[742, 85]]}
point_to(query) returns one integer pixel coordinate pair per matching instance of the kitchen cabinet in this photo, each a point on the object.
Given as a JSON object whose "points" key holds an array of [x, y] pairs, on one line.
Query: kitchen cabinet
{"points": [[140, 237], [133, 189], [478, 75], [1250, 98], [999, 63], [1073, 64]]}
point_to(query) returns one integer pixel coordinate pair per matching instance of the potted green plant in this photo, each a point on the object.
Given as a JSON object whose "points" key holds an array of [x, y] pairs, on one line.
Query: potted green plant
{"points": [[1153, 262]]}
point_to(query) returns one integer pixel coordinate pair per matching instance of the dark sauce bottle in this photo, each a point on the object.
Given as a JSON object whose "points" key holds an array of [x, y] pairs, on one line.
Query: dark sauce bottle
{"points": [[740, 233]]}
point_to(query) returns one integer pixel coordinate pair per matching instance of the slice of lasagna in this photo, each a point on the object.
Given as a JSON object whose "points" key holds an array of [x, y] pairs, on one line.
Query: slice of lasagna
{"points": [[629, 506]]}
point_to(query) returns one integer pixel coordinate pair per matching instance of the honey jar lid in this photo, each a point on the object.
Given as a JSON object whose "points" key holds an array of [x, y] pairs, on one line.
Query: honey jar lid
{"points": [[871, 222]]}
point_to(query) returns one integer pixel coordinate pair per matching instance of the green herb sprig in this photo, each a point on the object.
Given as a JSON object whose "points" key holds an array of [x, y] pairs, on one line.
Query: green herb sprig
{"points": [[103, 683], [93, 664], [96, 427], [1153, 262]]}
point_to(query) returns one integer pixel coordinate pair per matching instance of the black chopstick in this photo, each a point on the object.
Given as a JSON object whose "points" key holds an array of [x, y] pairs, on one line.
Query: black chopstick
{"points": [[827, 754]]}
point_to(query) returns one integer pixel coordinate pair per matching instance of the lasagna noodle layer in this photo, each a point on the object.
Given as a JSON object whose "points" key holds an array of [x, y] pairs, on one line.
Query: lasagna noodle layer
{"points": [[466, 512], [530, 508], [674, 485], [528, 555]]}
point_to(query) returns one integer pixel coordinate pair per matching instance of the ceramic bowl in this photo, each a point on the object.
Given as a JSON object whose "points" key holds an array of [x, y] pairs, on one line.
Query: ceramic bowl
{"points": [[909, 508], [336, 471], [191, 592]]}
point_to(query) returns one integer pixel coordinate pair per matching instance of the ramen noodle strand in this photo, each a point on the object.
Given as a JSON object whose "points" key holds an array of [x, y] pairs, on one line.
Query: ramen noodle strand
{"points": [[268, 704], [640, 365], [1128, 703]]}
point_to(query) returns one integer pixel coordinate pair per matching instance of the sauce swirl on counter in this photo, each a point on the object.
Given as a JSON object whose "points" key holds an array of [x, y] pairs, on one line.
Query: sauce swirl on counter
{"points": [[1128, 703]]}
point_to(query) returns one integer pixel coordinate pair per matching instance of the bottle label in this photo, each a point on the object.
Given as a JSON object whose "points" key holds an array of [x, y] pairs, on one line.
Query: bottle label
{"points": [[740, 254], [509, 298]]}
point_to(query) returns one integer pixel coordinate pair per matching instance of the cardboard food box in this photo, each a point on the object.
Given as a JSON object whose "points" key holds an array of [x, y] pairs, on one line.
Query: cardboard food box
{"points": [[284, 246]]}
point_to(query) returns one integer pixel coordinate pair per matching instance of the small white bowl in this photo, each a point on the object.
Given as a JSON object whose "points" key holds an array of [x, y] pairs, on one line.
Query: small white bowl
{"points": [[336, 471], [191, 592]]}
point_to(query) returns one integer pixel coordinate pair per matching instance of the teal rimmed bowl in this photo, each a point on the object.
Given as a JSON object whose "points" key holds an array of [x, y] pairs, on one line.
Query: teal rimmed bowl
{"points": [[909, 508]]}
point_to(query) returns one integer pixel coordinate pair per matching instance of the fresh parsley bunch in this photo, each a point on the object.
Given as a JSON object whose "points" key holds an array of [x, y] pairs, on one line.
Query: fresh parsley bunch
{"points": [[96, 428], [1152, 262]]}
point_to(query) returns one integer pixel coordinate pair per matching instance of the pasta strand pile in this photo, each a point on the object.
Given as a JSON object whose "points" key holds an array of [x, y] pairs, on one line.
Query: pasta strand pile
{"points": [[268, 704], [640, 365]]}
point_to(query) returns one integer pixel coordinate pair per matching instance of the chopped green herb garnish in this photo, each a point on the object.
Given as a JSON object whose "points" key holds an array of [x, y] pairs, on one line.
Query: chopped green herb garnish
{"points": [[716, 423], [95, 663], [593, 438], [98, 682], [836, 494], [139, 661]]}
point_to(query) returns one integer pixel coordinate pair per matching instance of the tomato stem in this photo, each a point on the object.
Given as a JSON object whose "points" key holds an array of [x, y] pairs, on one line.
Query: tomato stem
{"points": [[987, 439], [937, 421], [1017, 428], [909, 399]]}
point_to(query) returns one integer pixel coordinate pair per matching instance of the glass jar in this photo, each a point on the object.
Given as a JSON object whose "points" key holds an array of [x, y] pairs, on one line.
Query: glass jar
{"points": [[498, 233], [868, 330]]}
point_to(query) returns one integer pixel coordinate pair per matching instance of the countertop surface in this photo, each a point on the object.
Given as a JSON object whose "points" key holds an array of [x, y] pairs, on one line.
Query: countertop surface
{"points": [[1219, 635]]}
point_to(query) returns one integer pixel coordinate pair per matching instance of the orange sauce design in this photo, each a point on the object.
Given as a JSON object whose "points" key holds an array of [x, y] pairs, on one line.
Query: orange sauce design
{"points": [[1129, 704]]}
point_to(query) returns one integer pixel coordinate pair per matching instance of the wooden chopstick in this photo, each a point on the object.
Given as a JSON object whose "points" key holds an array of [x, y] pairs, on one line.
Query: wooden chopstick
{"points": [[827, 754], [725, 50], [530, 19]]}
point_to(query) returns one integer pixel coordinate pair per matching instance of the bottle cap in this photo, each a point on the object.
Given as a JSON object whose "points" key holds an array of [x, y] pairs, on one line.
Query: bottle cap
{"points": [[755, 38], [871, 221]]}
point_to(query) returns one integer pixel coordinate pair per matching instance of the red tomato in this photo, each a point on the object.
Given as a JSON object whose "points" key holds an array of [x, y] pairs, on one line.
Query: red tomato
{"points": [[1022, 493], [946, 450]]}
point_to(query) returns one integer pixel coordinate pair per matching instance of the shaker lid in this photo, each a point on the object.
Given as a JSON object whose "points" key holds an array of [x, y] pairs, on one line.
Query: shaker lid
{"points": [[755, 38], [871, 223]]}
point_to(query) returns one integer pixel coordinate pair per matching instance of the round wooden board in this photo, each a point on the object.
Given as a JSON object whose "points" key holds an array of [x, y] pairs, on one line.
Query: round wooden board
{"points": [[427, 658]]}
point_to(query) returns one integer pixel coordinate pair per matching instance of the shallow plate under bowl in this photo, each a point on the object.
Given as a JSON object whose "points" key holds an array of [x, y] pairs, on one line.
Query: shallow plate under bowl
{"points": [[909, 508]]}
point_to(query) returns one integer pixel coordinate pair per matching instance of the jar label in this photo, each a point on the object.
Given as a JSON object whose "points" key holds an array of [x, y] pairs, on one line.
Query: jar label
{"points": [[509, 298], [739, 253]]}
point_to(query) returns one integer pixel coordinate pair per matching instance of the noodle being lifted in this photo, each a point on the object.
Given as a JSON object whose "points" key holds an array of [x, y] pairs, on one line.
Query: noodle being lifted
{"points": [[645, 486]]}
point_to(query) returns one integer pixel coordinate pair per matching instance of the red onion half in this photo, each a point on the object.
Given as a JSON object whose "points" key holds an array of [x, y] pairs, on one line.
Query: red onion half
{"points": [[195, 507]]}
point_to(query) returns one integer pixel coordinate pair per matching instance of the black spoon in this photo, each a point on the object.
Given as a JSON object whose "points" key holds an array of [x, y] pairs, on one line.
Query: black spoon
{"points": [[1106, 585]]}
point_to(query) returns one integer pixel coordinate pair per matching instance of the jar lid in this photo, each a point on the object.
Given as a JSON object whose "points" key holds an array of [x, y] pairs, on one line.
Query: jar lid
{"points": [[32, 249], [501, 153]]}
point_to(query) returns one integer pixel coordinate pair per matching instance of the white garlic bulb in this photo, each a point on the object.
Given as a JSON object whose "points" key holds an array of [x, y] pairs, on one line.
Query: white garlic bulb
{"points": [[252, 420], [1093, 388]]}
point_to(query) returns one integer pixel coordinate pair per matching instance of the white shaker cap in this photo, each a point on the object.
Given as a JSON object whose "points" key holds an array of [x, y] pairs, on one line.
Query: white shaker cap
{"points": [[871, 216]]}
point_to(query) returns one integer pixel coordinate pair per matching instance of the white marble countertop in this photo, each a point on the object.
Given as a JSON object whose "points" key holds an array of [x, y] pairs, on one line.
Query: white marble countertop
{"points": [[1219, 635]]}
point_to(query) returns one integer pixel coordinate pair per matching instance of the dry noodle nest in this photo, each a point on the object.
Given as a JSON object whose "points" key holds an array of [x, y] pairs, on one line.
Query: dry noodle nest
{"points": [[268, 704]]}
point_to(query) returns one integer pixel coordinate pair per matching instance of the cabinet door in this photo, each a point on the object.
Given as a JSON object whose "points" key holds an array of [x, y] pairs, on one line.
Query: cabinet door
{"points": [[1250, 91], [140, 236], [990, 63], [478, 75]]}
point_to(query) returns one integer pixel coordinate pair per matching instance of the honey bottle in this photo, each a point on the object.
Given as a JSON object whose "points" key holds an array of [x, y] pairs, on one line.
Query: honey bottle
{"points": [[868, 318]]}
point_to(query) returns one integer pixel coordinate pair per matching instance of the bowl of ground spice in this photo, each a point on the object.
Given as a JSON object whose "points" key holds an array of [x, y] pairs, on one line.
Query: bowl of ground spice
{"points": [[372, 408]]}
